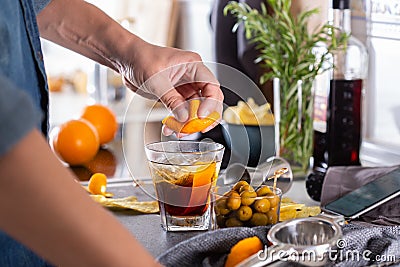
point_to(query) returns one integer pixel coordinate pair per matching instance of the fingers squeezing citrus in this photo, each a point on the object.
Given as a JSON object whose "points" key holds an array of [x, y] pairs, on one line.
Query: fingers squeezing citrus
{"points": [[194, 123]]}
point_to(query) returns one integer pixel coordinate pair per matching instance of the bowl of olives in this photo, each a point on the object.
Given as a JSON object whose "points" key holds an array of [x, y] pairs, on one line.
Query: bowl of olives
{"points": [[243, 204]]}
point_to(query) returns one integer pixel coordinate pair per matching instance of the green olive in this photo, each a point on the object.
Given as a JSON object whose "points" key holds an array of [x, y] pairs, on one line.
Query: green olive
{"points": [[272, 216], [220, 207], [227, 194], [274, 200], [259, 219], [245, 188], [233, 222], [262, 205], [244, 213], [248, 197], [221, 220], [238, 185], [263, 191], [233, 202], [220, 203], [232, 214]]}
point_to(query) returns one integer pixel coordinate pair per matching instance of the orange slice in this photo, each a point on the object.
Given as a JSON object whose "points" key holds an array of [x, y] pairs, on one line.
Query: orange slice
{"points": [[204, 175], [197, 125], [242, 250], [202, 180], [194, 124]]}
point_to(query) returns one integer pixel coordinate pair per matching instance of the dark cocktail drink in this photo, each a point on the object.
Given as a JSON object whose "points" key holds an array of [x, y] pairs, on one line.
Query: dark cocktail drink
{"points": [[183, 173]]}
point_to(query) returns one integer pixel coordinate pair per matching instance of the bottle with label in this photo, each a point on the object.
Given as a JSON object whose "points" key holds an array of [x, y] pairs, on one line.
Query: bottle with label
{"points": [[337, 105]]}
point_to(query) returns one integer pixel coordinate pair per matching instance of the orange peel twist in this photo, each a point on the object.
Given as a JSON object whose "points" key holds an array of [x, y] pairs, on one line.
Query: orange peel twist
{"points": [[194, 124], [97, 185], [242, 250]]}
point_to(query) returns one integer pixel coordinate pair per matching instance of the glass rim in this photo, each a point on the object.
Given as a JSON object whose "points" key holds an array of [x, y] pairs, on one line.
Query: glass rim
{"points": [[277, 191], [219, 148]]}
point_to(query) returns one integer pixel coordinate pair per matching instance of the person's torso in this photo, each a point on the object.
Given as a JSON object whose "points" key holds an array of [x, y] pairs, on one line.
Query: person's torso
{"points": [[20, 52]]}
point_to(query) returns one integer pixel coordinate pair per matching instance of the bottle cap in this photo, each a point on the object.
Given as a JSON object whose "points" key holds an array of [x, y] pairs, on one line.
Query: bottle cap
{"points": [[341, 4]]}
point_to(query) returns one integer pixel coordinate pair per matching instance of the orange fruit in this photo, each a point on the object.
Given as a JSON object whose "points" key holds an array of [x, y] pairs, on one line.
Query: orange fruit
{"points": [[242, 250], [76, 142], [103, 119]]}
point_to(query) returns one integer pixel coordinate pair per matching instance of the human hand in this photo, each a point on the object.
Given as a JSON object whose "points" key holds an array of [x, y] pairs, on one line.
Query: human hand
{"points": [[180, 74], [173, 76]]}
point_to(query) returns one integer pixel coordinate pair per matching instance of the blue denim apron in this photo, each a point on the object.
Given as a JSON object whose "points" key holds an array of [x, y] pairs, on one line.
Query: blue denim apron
{"points": [[21, 62], [21, 59]]}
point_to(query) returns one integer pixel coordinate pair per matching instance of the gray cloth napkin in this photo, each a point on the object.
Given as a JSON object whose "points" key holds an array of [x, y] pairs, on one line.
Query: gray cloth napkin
{"points": [[342, 180], [380, 245], [212, 248]]}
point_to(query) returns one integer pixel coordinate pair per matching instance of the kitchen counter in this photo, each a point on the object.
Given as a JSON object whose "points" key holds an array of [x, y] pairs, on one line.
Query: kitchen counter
{"points": [[147, 228]]}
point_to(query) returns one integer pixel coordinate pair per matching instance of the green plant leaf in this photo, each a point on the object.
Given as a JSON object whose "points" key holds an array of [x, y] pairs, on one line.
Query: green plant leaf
{"points": [[287, 50]]}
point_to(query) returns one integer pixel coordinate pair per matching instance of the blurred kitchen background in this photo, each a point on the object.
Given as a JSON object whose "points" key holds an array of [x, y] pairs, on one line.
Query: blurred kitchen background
{"points": [[76, 81]]}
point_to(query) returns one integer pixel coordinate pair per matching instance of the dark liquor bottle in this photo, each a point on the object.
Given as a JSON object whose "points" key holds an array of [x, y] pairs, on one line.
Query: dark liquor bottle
{"points": [[337, 105]]}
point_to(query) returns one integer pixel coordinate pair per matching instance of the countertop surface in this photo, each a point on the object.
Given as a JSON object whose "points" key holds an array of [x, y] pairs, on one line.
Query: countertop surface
{"points": [[147, 228]]}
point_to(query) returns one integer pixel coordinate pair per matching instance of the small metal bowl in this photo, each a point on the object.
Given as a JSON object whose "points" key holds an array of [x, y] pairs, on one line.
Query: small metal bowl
{"points": [[305, 241]]}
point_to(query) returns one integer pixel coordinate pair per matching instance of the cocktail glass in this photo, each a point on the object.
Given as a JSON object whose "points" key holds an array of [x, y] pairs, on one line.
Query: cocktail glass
{"points": [[183, 174]]}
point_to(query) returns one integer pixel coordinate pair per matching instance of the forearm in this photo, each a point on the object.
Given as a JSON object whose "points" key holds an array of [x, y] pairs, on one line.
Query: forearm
{"points": [[42, 206], [85, 29]]}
